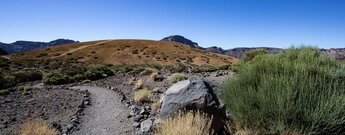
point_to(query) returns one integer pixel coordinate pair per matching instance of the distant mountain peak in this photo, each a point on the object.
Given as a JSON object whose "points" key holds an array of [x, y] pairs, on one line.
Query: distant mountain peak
{"points": [[22, 46], [180, 39]]}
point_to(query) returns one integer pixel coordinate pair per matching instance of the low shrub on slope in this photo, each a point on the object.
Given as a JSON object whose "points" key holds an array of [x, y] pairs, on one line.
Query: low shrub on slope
{"points": [[297, 91]]}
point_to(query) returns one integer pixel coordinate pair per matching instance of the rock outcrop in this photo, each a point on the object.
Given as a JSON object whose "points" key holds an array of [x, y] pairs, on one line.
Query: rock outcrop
{"points": [[181, 39], [192, 95]]}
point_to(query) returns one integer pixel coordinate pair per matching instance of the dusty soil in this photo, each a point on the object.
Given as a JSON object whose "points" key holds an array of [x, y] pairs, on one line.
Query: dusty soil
{"points": [[51, 105], [106, 115]]}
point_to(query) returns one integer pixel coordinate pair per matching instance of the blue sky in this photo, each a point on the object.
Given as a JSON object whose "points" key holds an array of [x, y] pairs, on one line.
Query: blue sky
{"points": [[224, 23]]}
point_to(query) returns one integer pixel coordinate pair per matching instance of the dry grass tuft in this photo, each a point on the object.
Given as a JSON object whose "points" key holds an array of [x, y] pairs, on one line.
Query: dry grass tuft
{"points": [[139, 84], [154, 76], [155, 107], [189, 123], [157, 90], [142, 96], [36, 127]]}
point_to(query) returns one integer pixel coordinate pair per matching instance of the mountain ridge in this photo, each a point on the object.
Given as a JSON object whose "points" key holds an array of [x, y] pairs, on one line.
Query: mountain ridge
{"points": [[23, 46]]}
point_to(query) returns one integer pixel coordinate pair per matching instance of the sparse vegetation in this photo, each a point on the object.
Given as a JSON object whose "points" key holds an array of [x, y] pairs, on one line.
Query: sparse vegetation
{"points": [[24, 88], [176, 77], [155, 107], [4, 92], [86, 81], [139, 84], [190, 123], [297, 91], [148, 71], [142, 96], [36, 127], [154, 76]]}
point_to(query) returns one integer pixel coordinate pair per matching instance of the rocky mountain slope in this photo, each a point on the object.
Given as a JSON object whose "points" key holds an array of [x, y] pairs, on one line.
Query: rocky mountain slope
{"points": [[239, 52], [22, 46], [130, 52], [181, 39]]}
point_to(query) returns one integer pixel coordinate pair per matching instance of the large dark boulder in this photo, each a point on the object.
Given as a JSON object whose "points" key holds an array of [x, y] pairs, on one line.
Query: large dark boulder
{"points": [[192, 95]]}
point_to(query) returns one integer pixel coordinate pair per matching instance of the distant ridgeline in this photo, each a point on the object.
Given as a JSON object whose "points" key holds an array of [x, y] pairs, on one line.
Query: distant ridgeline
{"points": [[337, 53], [23, 46]]}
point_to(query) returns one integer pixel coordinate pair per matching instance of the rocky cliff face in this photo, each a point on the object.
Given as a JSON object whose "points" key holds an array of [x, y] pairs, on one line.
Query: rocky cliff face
{"points": [[22, 46], [181, 39]]}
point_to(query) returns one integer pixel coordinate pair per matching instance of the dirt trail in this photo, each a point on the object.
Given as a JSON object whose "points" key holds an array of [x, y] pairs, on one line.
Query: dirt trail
{"points": [[82, 47], [106, 115]]}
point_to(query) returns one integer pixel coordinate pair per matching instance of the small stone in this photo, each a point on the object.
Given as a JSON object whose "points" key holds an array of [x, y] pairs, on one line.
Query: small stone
{"points": [[136, 124], [137, 118], [146, 125], [70, 127]]}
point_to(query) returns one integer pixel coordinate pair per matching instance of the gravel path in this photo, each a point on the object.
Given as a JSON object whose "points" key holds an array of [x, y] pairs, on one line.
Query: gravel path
{"points": [[106, 115]]}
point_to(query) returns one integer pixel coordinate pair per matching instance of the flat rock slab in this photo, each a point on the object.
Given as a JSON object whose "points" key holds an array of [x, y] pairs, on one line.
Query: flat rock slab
{"points": [[106, 116]]}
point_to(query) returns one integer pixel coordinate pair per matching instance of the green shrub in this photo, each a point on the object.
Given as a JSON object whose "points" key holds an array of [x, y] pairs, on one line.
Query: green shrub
{"points": [[27, 75], [94, 72], [6, 80], [297, 90], [249, 55], [4, 92], [176, 77], [24, 88], [55, 78]]}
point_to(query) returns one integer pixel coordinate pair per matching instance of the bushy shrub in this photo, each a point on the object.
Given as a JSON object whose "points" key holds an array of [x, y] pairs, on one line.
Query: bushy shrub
{"points": [[176, 77], [94, 72], [55, 78], [298, 90], [190, 123], [27, 75], [249, 55], [6, 80]]}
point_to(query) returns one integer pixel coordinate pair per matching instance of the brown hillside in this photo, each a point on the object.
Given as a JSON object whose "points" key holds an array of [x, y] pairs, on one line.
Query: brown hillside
{"points": [[130, 52]]}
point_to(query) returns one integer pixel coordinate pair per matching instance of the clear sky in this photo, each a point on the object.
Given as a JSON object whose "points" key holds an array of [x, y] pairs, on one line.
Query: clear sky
{"points": [[224, 23]]}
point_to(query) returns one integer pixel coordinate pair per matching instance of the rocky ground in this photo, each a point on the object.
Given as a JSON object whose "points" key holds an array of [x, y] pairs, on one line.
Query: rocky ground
{"points": [[111, 108], [58, 106]]}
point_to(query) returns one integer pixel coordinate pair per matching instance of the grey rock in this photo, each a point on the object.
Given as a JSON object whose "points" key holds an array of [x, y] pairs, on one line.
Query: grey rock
{"points": [[192, 95], [70, 127], [138, 118], [136, 124], [146, 125]]}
